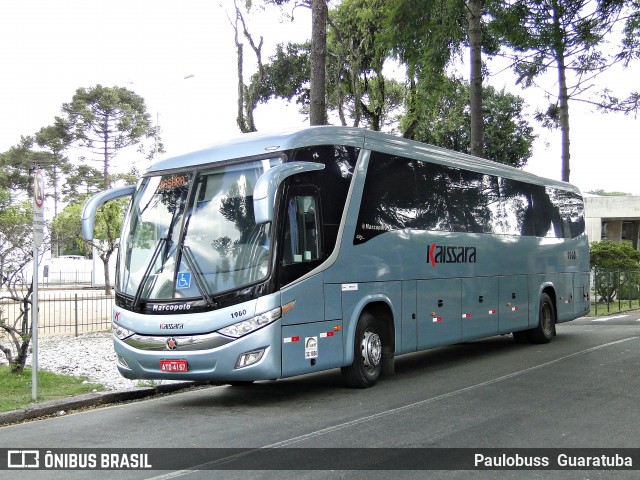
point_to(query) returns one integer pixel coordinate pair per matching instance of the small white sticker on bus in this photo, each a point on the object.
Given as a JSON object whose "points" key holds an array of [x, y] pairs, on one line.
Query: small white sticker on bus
{"points": [[349, 287]]}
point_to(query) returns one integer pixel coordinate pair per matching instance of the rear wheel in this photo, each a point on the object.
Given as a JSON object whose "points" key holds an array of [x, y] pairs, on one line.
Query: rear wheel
{"points": [[546, 328], [367, 355]]}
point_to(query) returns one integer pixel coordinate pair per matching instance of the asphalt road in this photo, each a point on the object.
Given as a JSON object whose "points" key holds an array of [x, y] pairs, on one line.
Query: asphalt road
{"points": [[580, 391]]}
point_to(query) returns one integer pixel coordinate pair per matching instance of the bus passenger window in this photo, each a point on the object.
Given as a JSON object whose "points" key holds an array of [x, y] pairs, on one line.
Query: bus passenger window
{"points": [[301, 242]]}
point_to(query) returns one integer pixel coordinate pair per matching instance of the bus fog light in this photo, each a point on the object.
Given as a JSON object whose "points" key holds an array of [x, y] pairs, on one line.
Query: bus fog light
{"points": [[122, 362], [249, 358]]}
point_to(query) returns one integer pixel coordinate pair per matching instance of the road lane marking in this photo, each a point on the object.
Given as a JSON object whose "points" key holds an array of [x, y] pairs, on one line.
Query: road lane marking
{"points": [[375, 416], [606, 319]]}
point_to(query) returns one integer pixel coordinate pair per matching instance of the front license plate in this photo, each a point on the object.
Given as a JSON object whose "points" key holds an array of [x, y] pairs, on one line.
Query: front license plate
{"points": [[174, 366]]}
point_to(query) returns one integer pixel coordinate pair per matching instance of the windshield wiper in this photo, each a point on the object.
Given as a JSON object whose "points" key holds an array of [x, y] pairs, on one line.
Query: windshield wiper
{"points": [[192, 263], [147, 272]]}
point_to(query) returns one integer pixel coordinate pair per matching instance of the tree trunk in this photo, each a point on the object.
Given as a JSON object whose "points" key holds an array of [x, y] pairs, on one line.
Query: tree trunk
{"points": [[563, 115], [105, 172], [563, 95], [318, 107], [475, 85], [240, 118], [107, 279]]}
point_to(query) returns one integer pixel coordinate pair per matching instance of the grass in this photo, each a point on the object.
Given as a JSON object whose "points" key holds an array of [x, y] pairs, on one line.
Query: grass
{"points": [[614, 307], [15, 389]]}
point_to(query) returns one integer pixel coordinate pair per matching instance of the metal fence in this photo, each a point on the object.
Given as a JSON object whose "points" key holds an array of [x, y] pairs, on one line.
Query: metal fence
{"points": [[51, 277], [615, 290], [64, 312]]}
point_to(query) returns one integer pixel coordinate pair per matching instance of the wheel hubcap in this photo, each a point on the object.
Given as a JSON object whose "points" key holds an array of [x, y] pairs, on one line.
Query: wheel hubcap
{"points": [[371, 349]]}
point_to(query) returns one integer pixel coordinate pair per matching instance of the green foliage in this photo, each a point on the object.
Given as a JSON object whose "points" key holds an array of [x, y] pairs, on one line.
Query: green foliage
{"points": [[16, 163], [287, 74], [108, 224], [16, 249], [613, 263], [608, 255], [67, 226], [508, 137]]}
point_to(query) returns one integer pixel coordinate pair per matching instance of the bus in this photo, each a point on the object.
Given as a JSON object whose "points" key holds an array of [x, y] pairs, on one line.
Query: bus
{"points": [[277, 255]]}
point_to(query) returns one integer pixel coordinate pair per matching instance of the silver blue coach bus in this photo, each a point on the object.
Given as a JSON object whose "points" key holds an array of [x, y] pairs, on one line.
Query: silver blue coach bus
{"points": [[279, 255]]}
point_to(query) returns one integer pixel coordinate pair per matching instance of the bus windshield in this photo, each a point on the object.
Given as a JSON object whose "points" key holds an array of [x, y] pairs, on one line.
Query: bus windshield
{"points": [[193, 234]]}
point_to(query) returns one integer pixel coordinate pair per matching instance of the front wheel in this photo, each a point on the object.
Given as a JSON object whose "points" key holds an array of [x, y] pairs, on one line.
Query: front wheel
{"points": [[367, 355]]}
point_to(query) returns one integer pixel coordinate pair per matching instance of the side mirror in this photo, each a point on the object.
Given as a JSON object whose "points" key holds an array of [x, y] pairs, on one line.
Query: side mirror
{"points": [[88, 216], [264, 193]]}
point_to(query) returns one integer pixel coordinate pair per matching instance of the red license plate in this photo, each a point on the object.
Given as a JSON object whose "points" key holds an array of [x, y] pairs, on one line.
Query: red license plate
{"points": [[174, 366]]}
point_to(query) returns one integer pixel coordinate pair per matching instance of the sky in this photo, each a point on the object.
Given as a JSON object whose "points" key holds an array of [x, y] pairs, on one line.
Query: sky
{"points": [[48, 49]]}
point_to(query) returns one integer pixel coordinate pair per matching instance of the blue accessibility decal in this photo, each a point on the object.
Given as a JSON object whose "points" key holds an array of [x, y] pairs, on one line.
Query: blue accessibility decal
{"points": [[184, 280]]}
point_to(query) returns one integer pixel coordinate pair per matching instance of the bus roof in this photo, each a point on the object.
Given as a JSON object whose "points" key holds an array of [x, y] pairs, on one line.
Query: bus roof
{"points": [[260, 144]]}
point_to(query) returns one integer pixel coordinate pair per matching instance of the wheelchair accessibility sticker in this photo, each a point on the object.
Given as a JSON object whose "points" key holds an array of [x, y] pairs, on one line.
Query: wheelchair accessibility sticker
{"points": [[184, 280]]}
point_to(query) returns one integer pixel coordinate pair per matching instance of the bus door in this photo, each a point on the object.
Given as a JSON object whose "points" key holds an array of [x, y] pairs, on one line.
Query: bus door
{"points": [[439, 312], [309, 343]]}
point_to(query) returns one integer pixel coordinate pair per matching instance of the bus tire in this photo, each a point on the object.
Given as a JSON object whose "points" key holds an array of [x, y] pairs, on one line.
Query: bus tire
{"points": [[367, 354], [546, 328]]}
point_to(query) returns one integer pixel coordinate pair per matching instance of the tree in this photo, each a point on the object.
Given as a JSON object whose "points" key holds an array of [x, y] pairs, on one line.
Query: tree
{"points": [[508, 136], [108, 223], [248, 95], [56, 138], [356, 89], [566, 35], [106, 120], [431, 35], [16, 253]]}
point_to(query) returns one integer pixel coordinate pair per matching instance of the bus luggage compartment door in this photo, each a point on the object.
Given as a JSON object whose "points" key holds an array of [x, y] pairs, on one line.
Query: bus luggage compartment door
{"points": [[311, 347], [514, 304], [479, 307], [439, 312]]}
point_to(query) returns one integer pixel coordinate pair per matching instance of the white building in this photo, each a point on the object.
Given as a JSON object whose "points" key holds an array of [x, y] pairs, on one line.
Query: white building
{"points": [[613, 218]]}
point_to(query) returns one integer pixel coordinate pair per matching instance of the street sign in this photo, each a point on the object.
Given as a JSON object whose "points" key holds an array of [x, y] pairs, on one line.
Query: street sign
{"points": [[38, 208]]}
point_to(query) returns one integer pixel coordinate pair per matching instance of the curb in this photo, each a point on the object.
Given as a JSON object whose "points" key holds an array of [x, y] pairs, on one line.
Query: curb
{"points": [[54, 407]]}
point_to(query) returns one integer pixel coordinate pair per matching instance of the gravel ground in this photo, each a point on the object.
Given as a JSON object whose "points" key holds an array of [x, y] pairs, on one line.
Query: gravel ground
{"points": [[89, 355]]}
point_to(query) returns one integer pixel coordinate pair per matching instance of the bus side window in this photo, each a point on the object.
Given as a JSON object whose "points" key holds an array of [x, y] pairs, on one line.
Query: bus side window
{"points": [[301, 240]]}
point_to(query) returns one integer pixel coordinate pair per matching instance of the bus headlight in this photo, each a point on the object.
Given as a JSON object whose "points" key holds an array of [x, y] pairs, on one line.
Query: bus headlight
{"points": [[120, 332], [244, 327]]}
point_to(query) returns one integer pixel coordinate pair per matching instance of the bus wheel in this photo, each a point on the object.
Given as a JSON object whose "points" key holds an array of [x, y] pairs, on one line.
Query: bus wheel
{"points": [[367, 354], [546, 328]]}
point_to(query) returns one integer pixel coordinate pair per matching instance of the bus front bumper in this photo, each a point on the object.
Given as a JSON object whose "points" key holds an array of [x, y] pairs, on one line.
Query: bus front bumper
{"points": [[256, 356]]}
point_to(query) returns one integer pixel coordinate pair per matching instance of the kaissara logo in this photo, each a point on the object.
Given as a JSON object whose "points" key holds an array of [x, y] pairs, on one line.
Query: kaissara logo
{"points": [[450, 254]]}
